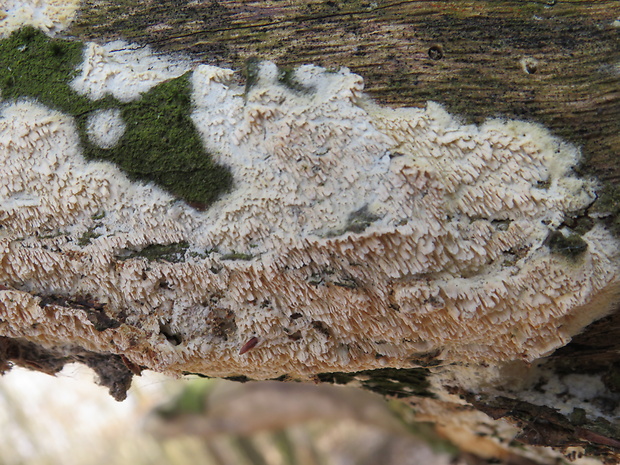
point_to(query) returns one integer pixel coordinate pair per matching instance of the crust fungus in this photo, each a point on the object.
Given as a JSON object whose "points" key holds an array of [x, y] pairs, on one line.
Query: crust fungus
{"points": [[51, 16], [105, 128], [124, 71], [355, 237]]}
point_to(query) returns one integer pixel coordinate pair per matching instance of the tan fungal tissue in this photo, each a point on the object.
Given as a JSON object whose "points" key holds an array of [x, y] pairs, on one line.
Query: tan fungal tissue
{"points": [[51, 16], [355, 236], [124, 70]]}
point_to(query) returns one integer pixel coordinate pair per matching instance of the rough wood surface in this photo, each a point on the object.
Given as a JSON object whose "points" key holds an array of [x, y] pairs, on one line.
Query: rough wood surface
{"points": [[552, 62]]}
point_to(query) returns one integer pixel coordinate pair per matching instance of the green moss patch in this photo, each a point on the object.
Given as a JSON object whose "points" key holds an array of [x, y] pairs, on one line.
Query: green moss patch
{"points": [[250, 72], [172, 253], [191, 400], [571, 246], [237, 256], [607, 206], [87, 237], [160, 144], [286, 77], [359, 220]]}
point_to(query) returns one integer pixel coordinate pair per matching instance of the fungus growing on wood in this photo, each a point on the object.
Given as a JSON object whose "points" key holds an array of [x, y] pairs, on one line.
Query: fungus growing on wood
{"points": [[105, 128], [51, 16], [158, 213], [124, 71], [354, 237], [401, 237]]}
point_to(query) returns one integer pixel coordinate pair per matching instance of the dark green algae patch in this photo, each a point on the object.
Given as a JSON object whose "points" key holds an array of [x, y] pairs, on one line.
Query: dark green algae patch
{"points": [[160, 143]]}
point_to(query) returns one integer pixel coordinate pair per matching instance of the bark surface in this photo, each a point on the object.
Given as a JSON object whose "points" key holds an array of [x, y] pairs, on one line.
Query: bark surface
{"points": [[552, 62]]}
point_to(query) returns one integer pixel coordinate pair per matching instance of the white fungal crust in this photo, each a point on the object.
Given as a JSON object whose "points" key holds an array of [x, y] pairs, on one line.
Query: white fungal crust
{"points": [[51, 16], [124, 70], [356, 236], [105, 128]]}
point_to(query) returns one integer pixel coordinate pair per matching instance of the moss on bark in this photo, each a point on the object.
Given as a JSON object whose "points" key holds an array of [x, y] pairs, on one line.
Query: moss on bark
{"points": [[160, 144]]}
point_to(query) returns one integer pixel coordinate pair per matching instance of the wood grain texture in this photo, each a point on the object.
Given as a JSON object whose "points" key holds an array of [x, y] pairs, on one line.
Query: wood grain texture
{"points": [[554, 62]]}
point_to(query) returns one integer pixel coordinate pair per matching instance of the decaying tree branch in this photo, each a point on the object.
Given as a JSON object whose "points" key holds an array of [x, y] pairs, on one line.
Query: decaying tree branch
{"points": [[247, 210]]}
